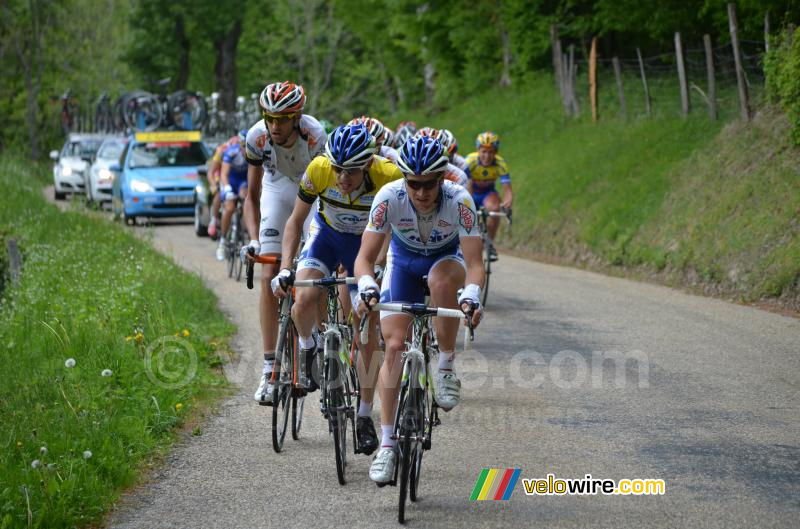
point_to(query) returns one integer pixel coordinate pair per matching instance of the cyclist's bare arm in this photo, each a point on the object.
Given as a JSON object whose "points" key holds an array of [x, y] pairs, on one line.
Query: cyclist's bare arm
{"points": [[293, 230], [472, 248], [252, 203], [381, 259], [508, 196], [224, 174], [371, 244]]}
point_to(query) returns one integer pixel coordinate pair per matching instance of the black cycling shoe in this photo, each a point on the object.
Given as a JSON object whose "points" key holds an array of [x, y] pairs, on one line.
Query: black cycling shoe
{"points": [[367, 438], [306, 378], [492, 253]]}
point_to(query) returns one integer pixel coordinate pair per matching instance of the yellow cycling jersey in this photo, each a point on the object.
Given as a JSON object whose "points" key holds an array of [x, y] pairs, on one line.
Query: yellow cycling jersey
{"points": [[345, 213], [484, 177]]}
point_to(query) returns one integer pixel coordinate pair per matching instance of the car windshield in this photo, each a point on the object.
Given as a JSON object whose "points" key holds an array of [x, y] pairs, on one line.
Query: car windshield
{"points": [[167, 154], [81, 149], [111, 150]]}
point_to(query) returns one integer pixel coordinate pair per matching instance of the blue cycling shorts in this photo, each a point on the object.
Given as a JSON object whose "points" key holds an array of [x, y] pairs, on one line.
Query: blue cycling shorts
{"points": [[479, 196], [402, 281], [237, 182], [325, 249]]}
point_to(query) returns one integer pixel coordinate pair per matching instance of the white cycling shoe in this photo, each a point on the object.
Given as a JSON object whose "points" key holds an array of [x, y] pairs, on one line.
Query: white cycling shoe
{"points": [[220, 253], [382, 469], [263, 394], [448, 390]]}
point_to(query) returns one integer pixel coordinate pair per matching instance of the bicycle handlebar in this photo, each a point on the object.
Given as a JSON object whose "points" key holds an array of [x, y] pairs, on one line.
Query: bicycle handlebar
{"points": [[419, 309], [263, 259], [325, 282]]}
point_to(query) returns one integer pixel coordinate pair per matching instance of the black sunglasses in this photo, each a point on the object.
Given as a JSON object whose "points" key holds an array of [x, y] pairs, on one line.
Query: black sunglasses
{"points": [[416, 185]]}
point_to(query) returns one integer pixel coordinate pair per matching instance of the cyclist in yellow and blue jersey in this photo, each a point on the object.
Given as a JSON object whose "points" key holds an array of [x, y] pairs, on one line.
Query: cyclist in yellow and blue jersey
{"points": [[484, 168], [345, 182]]}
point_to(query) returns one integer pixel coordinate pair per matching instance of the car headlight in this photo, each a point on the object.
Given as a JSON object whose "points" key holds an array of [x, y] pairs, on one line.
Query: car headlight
{"points": [[66, 171], [104, 175], [140, 186]]}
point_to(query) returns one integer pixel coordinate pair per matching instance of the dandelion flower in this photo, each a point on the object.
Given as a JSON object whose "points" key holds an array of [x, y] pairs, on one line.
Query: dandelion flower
{"points": [[70, 362], [87, 454], [43, 450], [19, 444], [185, 332], [178, 406], [139, 337], [35, 463], [106, 373], [128, 338]]}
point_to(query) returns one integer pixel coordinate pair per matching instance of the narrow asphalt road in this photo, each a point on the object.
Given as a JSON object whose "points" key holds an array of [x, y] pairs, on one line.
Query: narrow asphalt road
{"points": [[572, 373]]}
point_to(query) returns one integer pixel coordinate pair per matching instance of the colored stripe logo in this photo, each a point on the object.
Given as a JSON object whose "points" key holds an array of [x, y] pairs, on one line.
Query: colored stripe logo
{"points": [[495, 484]]}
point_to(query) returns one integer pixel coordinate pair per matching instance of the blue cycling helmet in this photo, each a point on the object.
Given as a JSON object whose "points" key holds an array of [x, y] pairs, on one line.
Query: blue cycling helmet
{"points": [[350, 146], [422, 155]]}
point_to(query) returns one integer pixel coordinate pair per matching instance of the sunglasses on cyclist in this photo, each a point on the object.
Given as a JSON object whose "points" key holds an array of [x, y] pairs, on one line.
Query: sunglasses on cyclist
{"points": [[276, 118], [427, 185], [347, 171]]}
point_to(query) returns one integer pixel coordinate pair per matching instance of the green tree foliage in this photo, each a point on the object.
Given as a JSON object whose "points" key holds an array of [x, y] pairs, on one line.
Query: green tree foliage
{"points": [[782, 67]]}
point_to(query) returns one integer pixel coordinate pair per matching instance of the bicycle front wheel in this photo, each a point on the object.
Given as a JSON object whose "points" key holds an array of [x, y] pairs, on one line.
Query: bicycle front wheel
{"points": [[282, 392], [487, 266], [297, 416], [337, 417]]}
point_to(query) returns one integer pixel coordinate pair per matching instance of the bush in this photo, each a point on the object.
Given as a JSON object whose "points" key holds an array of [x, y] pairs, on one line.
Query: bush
{"points": [[782, 69]]}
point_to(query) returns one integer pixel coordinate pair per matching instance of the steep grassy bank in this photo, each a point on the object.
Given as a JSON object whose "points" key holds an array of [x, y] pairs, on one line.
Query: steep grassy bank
{"points": [[106, 348], [692, 202]]}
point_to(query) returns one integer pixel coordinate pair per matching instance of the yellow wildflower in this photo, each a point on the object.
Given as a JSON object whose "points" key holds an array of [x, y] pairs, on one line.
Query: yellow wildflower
{"points": [[128, 338], [178, 406], [139, 337], [185, 333]]}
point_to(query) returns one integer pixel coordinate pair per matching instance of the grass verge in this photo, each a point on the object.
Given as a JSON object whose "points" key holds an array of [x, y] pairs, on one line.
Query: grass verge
{"points": [[140, 334]]}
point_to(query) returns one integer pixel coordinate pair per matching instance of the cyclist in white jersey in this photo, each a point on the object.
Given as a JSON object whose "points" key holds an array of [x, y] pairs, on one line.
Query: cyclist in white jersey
{"points": [[279, 148], [381, 135], [431, 222]]}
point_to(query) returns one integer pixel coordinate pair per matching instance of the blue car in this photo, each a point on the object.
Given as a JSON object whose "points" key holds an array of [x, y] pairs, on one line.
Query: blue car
{"points": [[157, 175]]}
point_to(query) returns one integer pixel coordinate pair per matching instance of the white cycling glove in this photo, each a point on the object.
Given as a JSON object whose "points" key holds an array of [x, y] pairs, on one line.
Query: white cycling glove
{"points": [[254, 245], [367, 289], [282, 281], [472, 295]]}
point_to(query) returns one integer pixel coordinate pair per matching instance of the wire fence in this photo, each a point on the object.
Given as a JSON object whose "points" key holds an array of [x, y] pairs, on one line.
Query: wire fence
{"points": [[633, 86]]}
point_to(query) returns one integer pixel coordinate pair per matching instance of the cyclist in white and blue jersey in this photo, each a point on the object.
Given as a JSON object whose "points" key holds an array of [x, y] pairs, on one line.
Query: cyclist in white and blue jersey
{"points": [[233, 183], [434, 233]]}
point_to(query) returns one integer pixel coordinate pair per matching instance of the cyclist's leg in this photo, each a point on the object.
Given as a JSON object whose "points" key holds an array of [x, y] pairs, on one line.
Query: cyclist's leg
{"points": [[447, 275], [242, 193], [227, 213], [277, 201]]}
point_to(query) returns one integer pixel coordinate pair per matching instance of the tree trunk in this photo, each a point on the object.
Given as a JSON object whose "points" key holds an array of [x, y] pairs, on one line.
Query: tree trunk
{"points": [[225, 67], [183, 61], [28, 47]]}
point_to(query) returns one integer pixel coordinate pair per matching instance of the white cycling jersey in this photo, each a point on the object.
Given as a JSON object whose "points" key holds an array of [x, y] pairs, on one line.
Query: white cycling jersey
{"points": [[279, 162], [460, 162], [456, 175], [389, 153], [455, 217], [283, 169]]}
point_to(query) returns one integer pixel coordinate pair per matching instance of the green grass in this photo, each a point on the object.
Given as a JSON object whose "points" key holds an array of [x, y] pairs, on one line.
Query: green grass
{"points": [[92, 292], [689, 200]]}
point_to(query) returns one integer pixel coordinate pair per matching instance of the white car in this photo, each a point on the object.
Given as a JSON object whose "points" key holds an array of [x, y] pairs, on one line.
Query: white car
{"points": [[100, 178], [73, 162]]}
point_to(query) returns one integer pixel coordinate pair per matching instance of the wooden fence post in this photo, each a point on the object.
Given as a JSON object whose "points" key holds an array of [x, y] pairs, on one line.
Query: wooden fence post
{"points": [[682, 76], [556, 56], [593, 78], [618, 75], [744, 106], [573, 69], [712, 81], [644, 82]]}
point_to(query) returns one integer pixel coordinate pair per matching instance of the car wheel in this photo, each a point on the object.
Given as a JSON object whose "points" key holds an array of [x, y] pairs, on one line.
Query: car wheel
{"points": [[199, 229]]}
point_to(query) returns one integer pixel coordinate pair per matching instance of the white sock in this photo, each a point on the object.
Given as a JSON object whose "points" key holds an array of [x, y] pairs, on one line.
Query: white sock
{"points": [[268, 364], [386, 436], [307, 342], [446, 361], [365, 409]]}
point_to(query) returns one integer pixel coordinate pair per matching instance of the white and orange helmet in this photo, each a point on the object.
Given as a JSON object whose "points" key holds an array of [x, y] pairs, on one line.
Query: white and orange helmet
{"points": [[282, 99]]}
